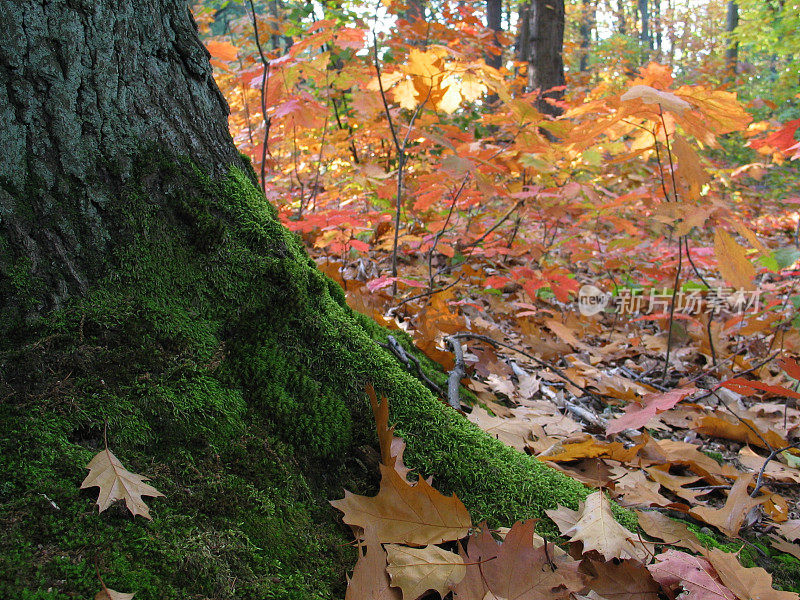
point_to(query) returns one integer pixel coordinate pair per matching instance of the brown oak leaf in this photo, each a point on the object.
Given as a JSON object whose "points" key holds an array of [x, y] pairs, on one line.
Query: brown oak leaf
{"points": [[417, 570], [406, 514], [117, 483]]}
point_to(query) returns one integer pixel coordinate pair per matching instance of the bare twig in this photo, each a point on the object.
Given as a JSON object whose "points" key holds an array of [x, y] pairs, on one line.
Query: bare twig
{"points": [[457, 374], [772, 455]]}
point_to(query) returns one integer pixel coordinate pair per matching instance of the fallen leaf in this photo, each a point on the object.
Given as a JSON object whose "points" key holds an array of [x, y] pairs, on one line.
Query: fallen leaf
{"points": [[790, 529], [676, 483], [370, 580], [775, 470], [668, 530], [417, 570], [109, 594], [784, 546], [406, 514], [694, 574], [748, 584], [481, 547], [117, 483], [638, 414], [627, 579], [730, 517], [524, 572], [739, 431], [598, 530]]}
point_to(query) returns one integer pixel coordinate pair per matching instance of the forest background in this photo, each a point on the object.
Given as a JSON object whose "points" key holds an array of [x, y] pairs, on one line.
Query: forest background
{"points": [[578, 224]]}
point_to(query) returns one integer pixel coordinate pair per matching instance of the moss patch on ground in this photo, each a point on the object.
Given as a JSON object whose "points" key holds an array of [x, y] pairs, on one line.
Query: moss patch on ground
{"points": [[231, 372]]}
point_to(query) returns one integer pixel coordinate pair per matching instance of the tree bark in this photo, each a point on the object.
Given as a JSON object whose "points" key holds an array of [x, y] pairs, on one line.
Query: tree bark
{"points": [[82, 91], [541, 44], [494, 21]]}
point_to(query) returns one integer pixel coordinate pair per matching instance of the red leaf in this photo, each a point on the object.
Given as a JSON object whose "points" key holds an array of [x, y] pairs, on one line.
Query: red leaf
{"points": [[637, 415]]}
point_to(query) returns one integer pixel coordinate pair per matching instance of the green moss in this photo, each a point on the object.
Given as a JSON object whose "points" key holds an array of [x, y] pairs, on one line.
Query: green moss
{"points": [[230, 371]]}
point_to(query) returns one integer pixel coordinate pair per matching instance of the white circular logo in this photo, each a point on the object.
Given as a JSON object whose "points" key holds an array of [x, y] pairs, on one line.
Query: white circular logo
{"points": [[591, 300]]}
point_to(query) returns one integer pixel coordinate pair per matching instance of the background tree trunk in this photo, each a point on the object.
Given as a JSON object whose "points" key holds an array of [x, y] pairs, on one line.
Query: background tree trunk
{"points": [[732, 49], [494, 21], [586, 29], [541, 44]]}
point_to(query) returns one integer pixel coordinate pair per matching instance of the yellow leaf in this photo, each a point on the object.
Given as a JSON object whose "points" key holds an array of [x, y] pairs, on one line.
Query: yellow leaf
{"points": [[117, 483], [417, 570], [650, 95], [405, 94], [690, 172], [733, 262]]}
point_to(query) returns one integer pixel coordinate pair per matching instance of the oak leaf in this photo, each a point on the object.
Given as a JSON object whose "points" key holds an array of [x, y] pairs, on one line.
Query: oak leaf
{"points": [[694, 574], [790, 529], [729, 518], [638, 414], [628, 580], [370, 580], [747, 584], [117, 483], [598, 530], [109, 594], [481, 547], [669, 531], [524, 572], [406, 514], [417, 570]]}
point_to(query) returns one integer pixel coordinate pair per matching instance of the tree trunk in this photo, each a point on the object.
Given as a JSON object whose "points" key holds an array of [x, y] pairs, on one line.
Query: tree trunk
{"points": [[644, 16], [80, 95], [586, 28], [151, 298], [732, 49], [494, 21], [542, 41]]}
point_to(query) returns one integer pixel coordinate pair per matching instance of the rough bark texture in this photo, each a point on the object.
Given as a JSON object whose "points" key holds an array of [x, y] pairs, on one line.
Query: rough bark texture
{"points": [[541, 45], [84, 86]]}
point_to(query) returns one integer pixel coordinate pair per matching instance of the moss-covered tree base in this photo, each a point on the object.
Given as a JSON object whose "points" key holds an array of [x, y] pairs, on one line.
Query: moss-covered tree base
{"points": [[230, 371]]}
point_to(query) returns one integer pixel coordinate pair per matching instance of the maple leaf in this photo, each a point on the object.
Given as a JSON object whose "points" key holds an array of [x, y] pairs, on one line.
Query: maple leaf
{"points": [[525, 572], [650, 95], [690, 171], [222, 50], [370, 580], [729, 518], [693, 573], [747, 584], [598, 530], [417, 570], [732, 261], [406, 514], [117, 483], [637, 415]]}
